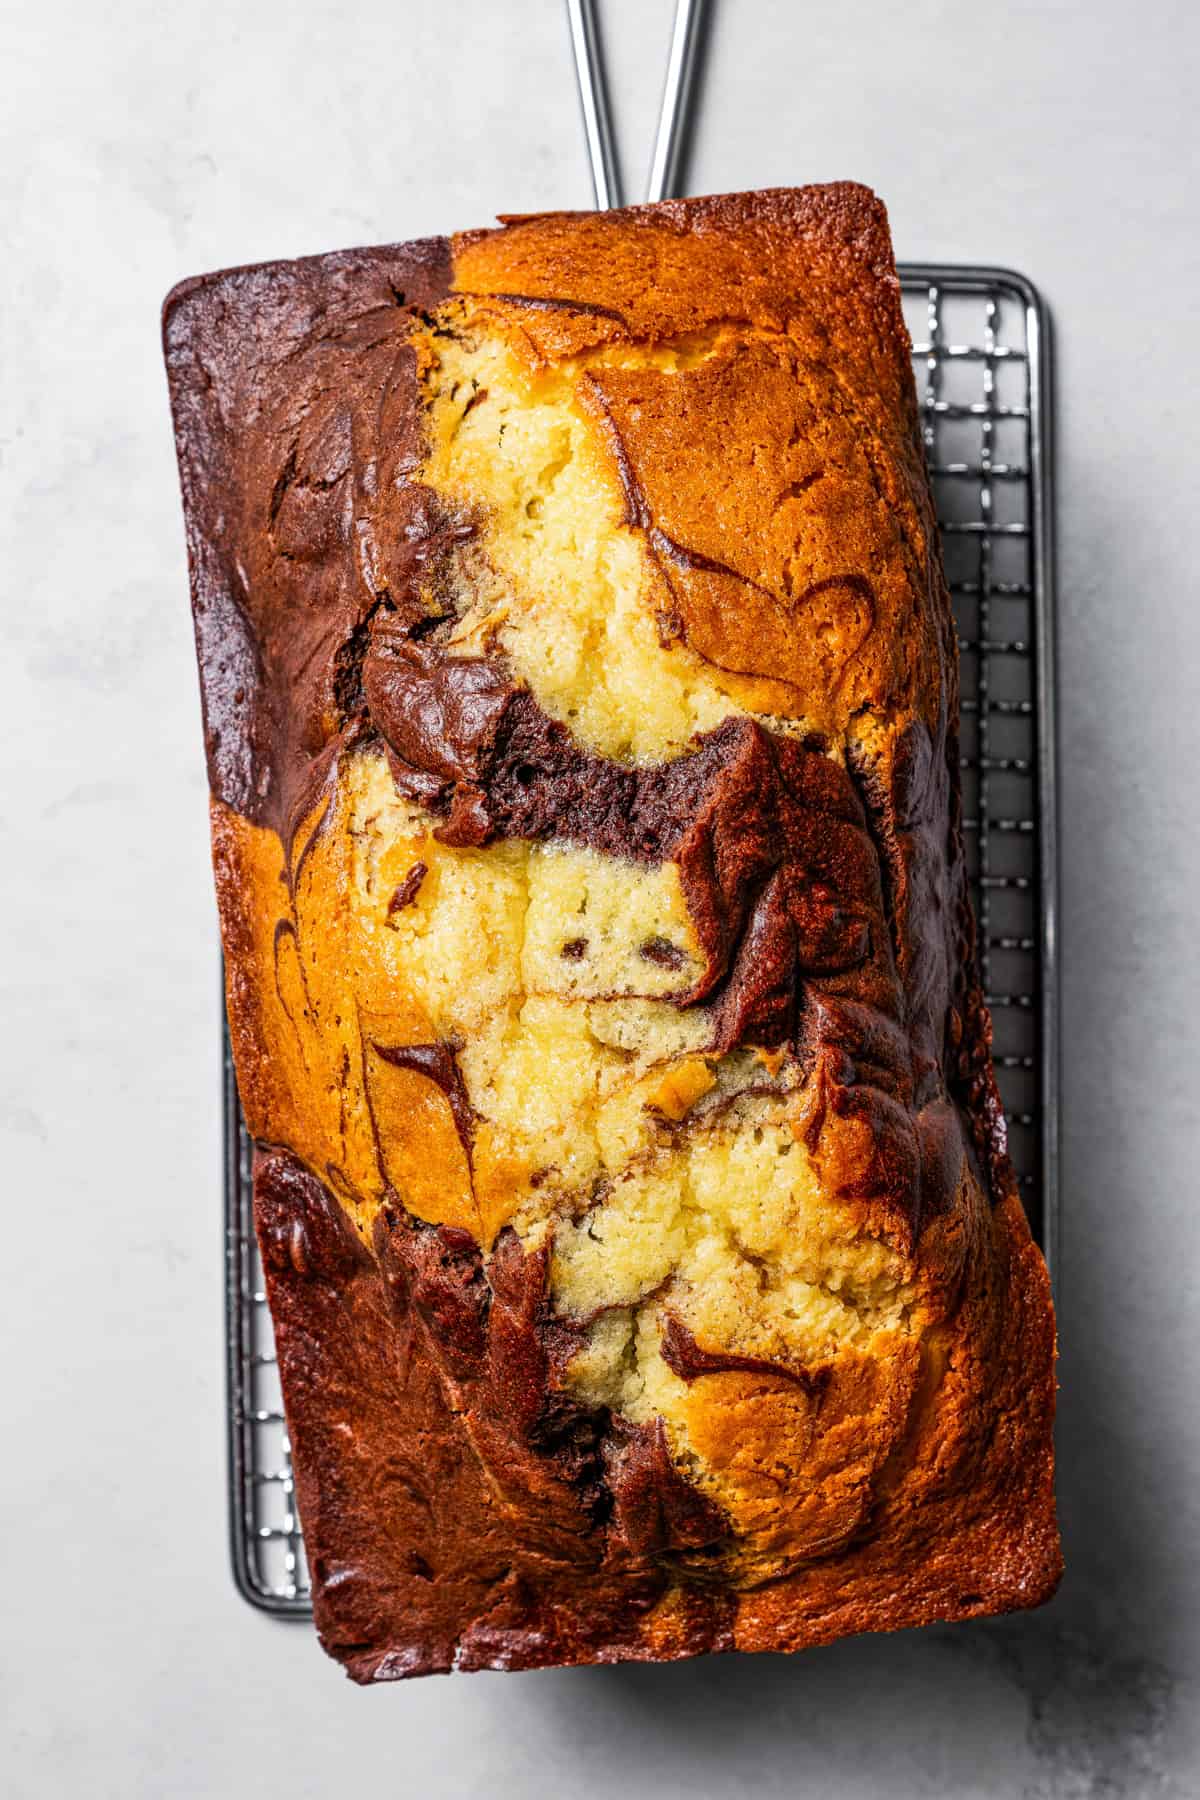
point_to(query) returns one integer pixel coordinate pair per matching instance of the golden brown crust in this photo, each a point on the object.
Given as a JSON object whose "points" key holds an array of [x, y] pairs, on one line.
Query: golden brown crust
{"points": [[646, 1265], [814, 262]]}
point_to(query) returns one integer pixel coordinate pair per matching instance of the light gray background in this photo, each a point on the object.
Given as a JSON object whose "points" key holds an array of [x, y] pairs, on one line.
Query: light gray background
{"points": [[144, 142]]}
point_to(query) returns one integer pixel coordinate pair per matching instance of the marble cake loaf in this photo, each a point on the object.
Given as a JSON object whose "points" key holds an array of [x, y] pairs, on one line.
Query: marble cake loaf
{"points": [[580, 699]]}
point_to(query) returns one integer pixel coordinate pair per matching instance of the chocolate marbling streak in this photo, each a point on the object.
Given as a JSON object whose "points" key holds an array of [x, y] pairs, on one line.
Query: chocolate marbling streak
{"points": [[684, 1355], [313, 505], [769, 836], [778, 867], [436, 1063]]}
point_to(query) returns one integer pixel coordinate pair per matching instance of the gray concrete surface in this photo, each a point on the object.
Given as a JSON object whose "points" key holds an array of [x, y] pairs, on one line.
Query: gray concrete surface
{"points": [[141, 143]]}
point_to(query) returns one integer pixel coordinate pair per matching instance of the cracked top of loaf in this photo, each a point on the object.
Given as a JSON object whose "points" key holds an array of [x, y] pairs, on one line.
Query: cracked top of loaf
{"points": [[580, 701]]}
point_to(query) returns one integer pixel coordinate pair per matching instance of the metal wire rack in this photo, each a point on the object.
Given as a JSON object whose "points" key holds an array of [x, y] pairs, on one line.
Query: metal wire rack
{"points": [[981, 355]]}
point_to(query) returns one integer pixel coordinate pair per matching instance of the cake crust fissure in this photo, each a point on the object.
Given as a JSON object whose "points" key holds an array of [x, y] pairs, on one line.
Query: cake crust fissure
{"points": [[580, 700]]}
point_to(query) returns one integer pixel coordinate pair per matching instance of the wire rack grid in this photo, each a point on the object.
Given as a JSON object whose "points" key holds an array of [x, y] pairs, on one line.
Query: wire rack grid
{"points": [[981, 356]]}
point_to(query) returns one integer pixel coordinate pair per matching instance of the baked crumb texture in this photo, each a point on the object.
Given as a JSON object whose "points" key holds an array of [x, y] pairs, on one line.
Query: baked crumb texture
{"points": [[581, 699]]}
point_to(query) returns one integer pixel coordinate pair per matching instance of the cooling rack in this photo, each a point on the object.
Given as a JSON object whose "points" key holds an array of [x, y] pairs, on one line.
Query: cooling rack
{"points": [[981, 357]]}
